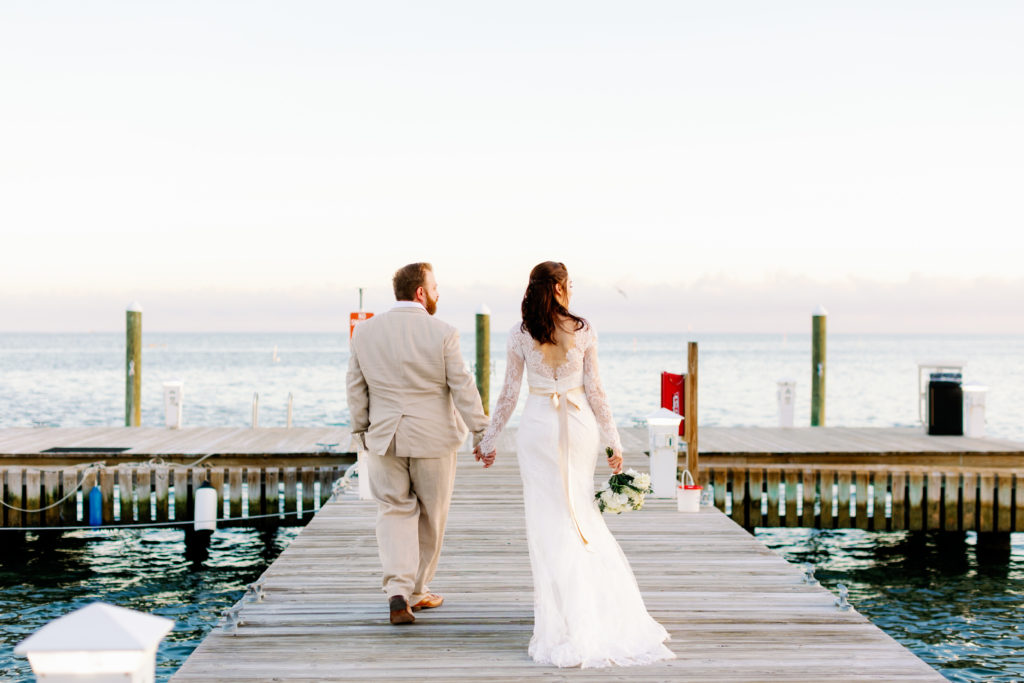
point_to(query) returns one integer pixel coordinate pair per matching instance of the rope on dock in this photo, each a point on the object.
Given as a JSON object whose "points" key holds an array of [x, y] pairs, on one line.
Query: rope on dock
{"points": [[100, 464], [74, 491], [153, 525]]}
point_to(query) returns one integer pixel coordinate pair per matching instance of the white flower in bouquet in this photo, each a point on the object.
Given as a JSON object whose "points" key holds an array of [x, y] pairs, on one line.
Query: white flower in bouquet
{"points": [[610, 501]]}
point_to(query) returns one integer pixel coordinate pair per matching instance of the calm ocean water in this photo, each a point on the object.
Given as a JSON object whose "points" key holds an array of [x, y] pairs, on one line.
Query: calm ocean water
{"points": [[956, 605]]}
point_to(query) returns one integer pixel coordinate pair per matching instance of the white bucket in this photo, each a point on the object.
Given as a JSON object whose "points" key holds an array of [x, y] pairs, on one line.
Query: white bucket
{"points": [[688, 498]]}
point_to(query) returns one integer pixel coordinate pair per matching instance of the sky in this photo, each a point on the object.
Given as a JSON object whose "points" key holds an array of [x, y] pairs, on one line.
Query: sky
{"points": [[708, 167]]}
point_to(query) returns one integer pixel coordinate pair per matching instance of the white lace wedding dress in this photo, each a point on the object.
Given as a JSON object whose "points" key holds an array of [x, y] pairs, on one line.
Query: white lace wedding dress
{"points": [[588, 610]]}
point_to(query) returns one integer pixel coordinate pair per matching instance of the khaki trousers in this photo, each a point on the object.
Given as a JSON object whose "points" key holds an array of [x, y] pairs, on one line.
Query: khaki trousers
{"points": [[413, 496]]}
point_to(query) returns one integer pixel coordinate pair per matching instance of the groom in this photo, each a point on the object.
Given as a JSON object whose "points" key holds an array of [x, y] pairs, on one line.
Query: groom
{"points": [[411, 397]]}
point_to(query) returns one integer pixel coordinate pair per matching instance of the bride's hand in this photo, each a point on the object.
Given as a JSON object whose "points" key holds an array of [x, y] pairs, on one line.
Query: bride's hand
{"points": [[487, 459], [615, 462]]}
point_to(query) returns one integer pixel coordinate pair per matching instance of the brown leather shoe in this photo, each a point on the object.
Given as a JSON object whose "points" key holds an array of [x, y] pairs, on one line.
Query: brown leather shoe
{"points": [[400, 613], [428, 601]]}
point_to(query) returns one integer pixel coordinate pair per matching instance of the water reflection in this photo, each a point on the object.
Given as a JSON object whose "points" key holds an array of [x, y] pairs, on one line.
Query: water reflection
{"points": [[45, 576], [956, 600]]}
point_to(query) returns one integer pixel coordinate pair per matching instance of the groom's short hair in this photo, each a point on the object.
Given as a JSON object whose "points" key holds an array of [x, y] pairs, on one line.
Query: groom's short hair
{"points": [[410, 278]]}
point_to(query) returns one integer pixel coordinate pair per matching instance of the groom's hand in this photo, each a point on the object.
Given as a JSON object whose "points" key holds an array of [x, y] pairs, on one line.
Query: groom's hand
{"points": [[487, 460]]}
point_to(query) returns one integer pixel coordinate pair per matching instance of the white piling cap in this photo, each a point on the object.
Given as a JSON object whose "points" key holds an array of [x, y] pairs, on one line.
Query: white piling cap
{"points": [[98, 627], [483, 310], [663, 417], [820, 310], [135, 307]]}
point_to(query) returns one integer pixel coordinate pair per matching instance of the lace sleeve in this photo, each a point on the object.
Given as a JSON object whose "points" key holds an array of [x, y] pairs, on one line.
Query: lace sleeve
{"points": [[509, 395], [597, 398]]}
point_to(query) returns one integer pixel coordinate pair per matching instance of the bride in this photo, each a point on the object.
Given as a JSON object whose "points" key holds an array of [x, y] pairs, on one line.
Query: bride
{"points": [[588, 611]]}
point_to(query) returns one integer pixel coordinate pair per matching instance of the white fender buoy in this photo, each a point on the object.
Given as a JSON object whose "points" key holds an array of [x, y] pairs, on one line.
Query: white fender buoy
{"points": [[205, 508]]}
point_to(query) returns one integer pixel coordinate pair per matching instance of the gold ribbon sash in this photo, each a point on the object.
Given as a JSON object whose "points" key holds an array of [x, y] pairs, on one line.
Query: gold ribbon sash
{"points": [[561, 402]]}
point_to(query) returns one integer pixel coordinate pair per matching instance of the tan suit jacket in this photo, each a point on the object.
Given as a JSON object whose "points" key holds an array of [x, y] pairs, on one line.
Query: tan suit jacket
{"points": [[407, 381]]}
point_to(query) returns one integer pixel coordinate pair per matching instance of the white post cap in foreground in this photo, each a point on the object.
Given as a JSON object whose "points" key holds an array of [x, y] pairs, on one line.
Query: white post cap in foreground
{"points": [[663, 417], [135, 307], [820, 310], [97, 642], [483, 310]]}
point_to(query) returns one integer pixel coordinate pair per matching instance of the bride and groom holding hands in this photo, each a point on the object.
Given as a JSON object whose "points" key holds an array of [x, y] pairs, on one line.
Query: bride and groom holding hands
{"points": [[412, 400]]}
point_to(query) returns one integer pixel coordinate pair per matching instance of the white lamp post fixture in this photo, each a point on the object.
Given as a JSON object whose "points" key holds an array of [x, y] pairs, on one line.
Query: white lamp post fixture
{"points": [[663, 431], [174, 396], [96, 643], [785, 396]]}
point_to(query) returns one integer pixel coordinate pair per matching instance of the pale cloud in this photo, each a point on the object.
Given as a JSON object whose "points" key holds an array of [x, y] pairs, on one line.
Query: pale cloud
{"points": [[784, 303]]}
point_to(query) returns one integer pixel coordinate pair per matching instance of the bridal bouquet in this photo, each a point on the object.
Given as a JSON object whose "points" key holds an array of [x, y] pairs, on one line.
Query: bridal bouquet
{"points": [[623, 491]]}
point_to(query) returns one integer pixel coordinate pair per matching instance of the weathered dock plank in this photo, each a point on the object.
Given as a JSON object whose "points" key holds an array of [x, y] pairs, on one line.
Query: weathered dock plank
{"points": [[736, 611]]}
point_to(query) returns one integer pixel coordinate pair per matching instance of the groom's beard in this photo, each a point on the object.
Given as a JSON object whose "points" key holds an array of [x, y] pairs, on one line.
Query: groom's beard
{"points": [[431, 305]]}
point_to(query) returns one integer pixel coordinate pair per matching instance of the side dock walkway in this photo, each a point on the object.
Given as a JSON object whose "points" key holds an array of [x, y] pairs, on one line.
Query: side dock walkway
{"points": [[736, 611]]}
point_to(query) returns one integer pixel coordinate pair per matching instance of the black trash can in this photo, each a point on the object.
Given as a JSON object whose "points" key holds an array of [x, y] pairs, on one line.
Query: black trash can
{"points": [[945, 404]]}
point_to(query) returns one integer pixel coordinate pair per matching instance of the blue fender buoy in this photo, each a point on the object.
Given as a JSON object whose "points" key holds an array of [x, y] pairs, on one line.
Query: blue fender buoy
{"points": [[95, 507]]}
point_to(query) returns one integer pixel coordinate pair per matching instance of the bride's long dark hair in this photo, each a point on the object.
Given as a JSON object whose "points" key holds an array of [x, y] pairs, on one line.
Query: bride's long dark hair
{"points": [[541, 308]]}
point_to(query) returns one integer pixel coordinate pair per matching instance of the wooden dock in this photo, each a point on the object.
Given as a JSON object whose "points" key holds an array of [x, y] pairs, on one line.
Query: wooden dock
{"points": [[736, 611], [881, 479], [264, 477], [824, 477]]}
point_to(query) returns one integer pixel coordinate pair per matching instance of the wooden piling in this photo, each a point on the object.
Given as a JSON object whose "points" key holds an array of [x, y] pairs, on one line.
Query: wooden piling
{"points": [[951, 502], [327, 478], [755, 495], [235, 492], [32, 497], [272, 493], [133, 367], [818, 367], [107, 494], [809, 482], [216, 476], [1004, 502], [69, 508], [843, 479], [181, 508], [969, 498], [915, 500], [483, 356], [307, 475], [827, 518], [791, 518], [144, 494], [125, 493], [1018, 506], [986, 498], [51, 494], [161, 487], [739, 496], [933, 513], [880, 486], [690, 403], [254, 484], [290, 498], [14, 497], [863, 501], [772, 480], [899, 501]]}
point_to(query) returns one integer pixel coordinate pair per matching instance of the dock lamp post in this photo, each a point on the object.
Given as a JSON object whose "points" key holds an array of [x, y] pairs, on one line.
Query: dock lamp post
{"points": [[97, 643], [663, 433]]}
